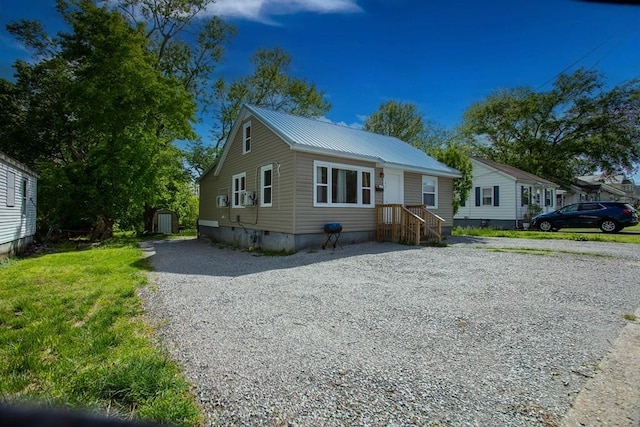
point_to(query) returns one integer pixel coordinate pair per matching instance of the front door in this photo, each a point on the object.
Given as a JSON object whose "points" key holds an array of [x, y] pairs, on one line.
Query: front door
{"points": [[393, 187], [393, 194]]}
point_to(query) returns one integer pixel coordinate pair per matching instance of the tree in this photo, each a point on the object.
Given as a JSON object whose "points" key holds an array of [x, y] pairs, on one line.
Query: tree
{"points": [[403, 121], [575, 127], [99, 118], [270, 86]]}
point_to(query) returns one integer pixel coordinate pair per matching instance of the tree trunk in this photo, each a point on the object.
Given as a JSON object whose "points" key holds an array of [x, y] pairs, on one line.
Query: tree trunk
{"points": [[103, 228], [149, 212]]}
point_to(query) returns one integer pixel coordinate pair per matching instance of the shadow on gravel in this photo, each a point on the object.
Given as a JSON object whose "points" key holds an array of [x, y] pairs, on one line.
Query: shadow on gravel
{"points": [[199, 257]]}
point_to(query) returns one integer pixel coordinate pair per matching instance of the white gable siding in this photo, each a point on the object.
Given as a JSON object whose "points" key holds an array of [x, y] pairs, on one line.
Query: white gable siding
{"points": [[17, 219], [483, 177]]}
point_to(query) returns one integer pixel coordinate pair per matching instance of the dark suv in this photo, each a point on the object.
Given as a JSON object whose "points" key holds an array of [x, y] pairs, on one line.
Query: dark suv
{"points": [[610, 217]]}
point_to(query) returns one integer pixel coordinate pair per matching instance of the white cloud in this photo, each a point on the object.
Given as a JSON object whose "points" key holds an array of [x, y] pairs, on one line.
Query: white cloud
{"points": [[263, 10]]}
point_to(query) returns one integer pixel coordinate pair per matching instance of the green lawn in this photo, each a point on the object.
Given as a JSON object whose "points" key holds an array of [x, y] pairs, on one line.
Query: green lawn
{"points": [[628, 235], [72, 334]]}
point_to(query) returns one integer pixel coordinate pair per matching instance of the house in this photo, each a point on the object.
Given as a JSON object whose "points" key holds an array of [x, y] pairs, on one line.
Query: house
{"points": [[18, 201], [619, 182], [503, 196], [581, 190], [280, 178]]}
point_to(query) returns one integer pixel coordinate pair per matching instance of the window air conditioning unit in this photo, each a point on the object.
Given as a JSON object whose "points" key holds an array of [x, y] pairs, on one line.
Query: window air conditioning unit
{"points": [[222, 201], [247, 198]]}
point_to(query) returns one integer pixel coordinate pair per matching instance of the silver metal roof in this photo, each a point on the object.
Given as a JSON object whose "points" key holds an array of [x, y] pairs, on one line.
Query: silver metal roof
{"points": [[312, 135]]}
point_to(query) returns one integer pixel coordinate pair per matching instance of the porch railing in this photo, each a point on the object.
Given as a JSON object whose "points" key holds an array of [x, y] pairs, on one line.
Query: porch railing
{"points": [[396, 223], [432, 226]]}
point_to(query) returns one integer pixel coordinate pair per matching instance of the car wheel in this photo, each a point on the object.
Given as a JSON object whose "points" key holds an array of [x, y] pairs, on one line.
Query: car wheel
{"points": [[609, 226], [546, 225]]}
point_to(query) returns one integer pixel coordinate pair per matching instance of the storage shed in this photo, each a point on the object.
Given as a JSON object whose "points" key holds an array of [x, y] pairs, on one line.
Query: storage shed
{"points": [[165, 221]]}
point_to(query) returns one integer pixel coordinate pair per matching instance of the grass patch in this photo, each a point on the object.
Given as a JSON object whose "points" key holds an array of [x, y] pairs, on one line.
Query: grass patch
{"points": [[270, 252], [539, 251], [630, 317], [72, 334], [628, 235]]}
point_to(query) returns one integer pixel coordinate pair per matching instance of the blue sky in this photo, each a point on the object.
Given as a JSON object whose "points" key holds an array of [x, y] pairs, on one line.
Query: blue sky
{"points": [[441, 55]]}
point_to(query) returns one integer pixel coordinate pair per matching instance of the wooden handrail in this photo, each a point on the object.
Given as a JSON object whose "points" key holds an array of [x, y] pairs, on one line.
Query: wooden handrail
{"points": [[432, 227], [398, 224]]}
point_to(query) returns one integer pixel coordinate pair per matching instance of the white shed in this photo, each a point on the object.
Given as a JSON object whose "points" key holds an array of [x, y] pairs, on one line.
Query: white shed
{"points": [[503, 196], [18, 205]]}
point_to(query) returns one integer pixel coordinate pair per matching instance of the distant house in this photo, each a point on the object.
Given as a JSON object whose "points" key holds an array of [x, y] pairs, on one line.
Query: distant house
{"points": [[503, 196], [606, 182], [581, 190], [281, 178], [18, 201]]}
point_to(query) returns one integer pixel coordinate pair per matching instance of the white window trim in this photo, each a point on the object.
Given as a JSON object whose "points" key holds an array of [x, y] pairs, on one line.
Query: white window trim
{"points": [[435, 194], [24, 195], [329, 166], [11, 189], [244, 138], [239, 190], [482, 196], [263, 169]]}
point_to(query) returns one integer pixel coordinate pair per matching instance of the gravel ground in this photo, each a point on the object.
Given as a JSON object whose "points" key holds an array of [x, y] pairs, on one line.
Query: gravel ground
{"points": [[473, 334]]}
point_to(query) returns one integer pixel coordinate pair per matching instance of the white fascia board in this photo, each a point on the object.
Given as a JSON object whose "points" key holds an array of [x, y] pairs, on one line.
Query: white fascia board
{"points": [[333, 153], [425, 171]]}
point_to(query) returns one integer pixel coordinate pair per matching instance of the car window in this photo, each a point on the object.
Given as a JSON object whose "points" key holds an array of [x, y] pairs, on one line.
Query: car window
{"points": [[589, 206], [569, 209]]}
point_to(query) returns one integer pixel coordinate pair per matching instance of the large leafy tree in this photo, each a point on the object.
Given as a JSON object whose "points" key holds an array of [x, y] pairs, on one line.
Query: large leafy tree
{"points": [[574, 128], [97, 118], [403, 121], [272, 86]]}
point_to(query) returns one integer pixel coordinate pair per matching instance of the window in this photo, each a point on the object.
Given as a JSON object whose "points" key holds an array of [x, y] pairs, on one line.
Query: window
{"points": [[525, 195], [24, 197], [487, 196], [430, 191], [266, 186], [342, 185], [11, 189], [548, 197], [246, 138], [239, 184]]}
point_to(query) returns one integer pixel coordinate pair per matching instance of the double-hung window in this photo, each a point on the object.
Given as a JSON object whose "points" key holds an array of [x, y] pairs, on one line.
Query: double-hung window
{"points": [[11, 189], [430, 191], [238, 185], [246, 138], [487, 196], [266, 185], [342, 185]]}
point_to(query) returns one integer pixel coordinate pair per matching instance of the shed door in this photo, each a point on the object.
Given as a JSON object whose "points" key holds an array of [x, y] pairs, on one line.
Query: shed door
{"points": [[164, 223]]}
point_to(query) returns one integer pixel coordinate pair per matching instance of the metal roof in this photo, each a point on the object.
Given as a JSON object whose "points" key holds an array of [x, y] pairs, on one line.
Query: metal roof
{"points": [[313, 135]]}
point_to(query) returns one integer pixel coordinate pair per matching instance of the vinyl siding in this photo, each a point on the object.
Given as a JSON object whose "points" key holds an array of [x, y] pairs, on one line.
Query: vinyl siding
{"points": [[310, 219], [266, 148], [413, 195], [14, 224], [483, 177]]}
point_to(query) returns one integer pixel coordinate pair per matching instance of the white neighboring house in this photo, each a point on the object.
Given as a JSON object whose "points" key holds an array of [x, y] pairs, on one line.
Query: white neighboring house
{"points": [[503, 196], [18, 205]]}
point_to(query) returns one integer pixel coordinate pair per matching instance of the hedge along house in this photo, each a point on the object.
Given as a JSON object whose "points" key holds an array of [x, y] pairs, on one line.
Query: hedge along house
{"points": [[280, 178], [18, 205], [503, 196]]}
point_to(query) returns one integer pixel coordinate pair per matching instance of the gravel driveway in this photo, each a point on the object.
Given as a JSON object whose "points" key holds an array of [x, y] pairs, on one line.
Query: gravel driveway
{"points": [[473, 334]]}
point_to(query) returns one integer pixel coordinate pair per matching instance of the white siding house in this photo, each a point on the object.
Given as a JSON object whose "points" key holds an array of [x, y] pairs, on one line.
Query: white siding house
{"points": [[503, 196], [18, 201]]}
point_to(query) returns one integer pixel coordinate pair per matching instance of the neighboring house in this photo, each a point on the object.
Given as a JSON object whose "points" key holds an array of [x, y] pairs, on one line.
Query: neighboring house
{"points": [[582, 190], [619, 182], [18, 186], [280, 178], [503, 196]]}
